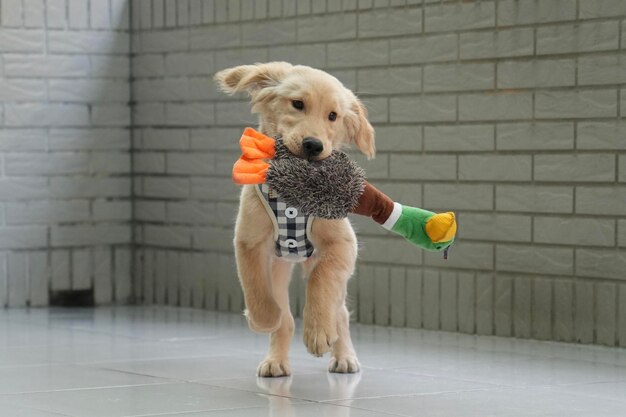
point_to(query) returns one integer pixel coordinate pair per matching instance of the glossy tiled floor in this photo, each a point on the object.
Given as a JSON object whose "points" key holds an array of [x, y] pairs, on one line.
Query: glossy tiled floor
{"points": [[146, 361]]}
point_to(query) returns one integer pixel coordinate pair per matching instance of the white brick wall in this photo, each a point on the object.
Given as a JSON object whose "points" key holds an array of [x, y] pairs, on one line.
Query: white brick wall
{"points": [[64, 142]]}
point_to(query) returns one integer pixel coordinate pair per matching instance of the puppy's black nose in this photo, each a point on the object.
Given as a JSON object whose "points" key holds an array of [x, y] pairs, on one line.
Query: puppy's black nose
{"points": [[312, 146]]}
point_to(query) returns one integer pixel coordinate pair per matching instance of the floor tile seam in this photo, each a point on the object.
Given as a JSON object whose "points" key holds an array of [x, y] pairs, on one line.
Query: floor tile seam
{"points": [[7, 394]]}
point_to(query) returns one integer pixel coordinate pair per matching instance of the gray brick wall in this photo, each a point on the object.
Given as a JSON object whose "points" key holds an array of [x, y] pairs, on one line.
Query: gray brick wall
{"points": [[510, 112], [65, 189]]}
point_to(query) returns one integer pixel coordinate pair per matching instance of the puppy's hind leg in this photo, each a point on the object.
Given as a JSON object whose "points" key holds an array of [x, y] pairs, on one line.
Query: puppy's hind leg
{"points": [[343, 359], [276, 363]]}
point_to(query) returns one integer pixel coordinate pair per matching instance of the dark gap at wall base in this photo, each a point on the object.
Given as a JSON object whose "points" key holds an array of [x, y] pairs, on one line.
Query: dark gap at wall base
{"points": [[72, 298]]}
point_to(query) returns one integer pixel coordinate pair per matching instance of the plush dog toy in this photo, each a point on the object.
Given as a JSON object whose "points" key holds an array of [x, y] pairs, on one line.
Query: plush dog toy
{"points": [[333, 187]]}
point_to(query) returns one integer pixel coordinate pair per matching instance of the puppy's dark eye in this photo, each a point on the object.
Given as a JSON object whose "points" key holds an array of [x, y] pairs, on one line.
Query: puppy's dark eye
{"points": [[332, 116], [297, 104]]}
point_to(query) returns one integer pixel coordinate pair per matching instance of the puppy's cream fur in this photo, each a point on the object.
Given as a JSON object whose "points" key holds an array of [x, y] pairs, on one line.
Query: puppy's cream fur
{"points": [[264, 277]]}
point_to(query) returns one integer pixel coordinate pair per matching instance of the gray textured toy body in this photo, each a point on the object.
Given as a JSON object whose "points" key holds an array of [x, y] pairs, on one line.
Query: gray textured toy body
{"points": [[329, 189]]}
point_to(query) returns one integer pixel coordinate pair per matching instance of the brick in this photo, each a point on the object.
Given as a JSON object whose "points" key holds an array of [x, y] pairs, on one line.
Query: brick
{"points": [[500, 106], [38, 276], [166, 187], [104, 210], [387, 250], [601, 200], [149, 162], [55, 14], [233, 57], [189, 64], [81, 269], [266, 33], [192, 212], [580, 168], [605, 69], [398, 138], [78, 14], [459, 77], [347, 77], [12, 11], [375, 168], [162, 89], [574, 231], [147, 65], [149, 113], [524, 12], [495, 167], [459, 138], [170, 13], [357, 54], [165, 139], [105, 234], [34, 13], [190, 114], [458, 196], [600, 263], [494, 226], [234, 113], [500, 44], [388, 22], [121, 275], [601, 8], [621, 233], [312, 55], [62, 187], [60, 270], [47, 164], [110, 115], [89, 42], [46, 212], [191, 164], [110, 163], [575, 104], [88, 90], [214, 37], [110, 66], [168, 236], [149, 210], [20, 40], [22, 90], [23, 237], [18, 188], [584, 37], [221, 189], [423, 167], [536, 73], [622, 169], [18, 280], [424, 49], [326, 28], [534, 136], [530, 259], [41, 114], [606, 313], [423, 109], [215, 139], [165, 41], [460, 16], [534, 199], [20, 140], [484, 303], [213, 238], [389, 81], [100, 15], [466, 255]]}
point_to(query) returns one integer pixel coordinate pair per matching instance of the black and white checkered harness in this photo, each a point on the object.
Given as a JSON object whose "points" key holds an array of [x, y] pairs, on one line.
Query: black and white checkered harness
{"points": [[290, 227]]}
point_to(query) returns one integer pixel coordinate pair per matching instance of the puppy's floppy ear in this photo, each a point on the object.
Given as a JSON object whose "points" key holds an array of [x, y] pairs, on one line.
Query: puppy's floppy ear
{"points": [[251, 77], [361, 131]]}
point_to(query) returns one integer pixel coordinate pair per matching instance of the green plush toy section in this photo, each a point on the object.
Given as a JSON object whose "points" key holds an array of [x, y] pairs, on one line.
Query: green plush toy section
{"points": [[411, 225]]}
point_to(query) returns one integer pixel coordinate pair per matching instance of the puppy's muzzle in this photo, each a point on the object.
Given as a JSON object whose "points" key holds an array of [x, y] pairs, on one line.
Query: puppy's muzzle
{"points": [[312, 147]]}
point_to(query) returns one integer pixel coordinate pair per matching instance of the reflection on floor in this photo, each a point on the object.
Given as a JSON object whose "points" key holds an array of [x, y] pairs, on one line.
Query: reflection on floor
{"points": [[145, 361]]}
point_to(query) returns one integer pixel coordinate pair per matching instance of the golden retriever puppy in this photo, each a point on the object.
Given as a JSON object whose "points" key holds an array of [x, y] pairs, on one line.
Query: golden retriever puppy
{"points": [[313, 113]]}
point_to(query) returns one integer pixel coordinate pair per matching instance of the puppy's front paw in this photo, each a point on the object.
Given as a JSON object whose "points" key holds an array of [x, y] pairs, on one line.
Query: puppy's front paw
{"points": [[274, 367], [319, 335], [264, 319], [346, 364]]}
